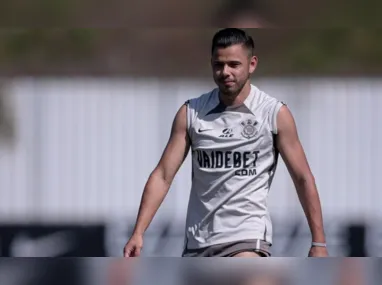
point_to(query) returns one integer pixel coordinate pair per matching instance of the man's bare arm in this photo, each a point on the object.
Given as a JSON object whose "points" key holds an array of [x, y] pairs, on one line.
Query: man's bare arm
{"points": [[292, 152], [161, 178]]}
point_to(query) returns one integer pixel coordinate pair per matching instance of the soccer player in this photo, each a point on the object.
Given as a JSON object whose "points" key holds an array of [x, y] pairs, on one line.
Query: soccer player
{"points": [[235, 132]]}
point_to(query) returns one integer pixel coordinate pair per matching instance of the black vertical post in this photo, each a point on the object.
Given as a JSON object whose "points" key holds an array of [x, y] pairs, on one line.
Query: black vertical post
{"points": [[356, 240]]}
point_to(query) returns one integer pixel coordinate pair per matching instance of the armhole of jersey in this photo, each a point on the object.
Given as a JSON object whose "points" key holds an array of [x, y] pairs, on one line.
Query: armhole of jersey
{"points": [[189, 117], [274, 114]]}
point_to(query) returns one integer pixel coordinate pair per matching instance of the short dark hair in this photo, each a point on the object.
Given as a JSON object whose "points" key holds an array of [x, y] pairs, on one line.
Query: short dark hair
{"points": [[232, 36]]}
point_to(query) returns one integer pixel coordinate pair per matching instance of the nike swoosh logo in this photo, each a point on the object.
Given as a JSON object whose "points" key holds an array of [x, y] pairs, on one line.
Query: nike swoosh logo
{"points": [[204, 130]]}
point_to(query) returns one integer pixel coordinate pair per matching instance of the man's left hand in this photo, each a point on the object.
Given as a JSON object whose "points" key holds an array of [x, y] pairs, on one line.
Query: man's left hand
{"points": [[318, 251]]}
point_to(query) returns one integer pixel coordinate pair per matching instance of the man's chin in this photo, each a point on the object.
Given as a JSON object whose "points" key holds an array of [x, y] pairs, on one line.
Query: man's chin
{"points": [[228, 91]]}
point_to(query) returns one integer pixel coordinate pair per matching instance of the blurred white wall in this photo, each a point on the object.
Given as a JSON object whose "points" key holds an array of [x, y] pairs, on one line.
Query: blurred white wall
{"points": [[86, 146]]}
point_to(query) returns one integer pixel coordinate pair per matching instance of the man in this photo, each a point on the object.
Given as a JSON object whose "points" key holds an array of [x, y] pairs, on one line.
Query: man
{"points": [[235, 132]]}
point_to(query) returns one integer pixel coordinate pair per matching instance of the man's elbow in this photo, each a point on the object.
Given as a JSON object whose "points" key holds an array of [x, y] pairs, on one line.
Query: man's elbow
{"points": [[160, 175], [305, 180]]}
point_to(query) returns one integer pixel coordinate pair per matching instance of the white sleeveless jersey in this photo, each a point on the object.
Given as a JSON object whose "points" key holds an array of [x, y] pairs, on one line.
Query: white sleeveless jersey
{"points": [[233, 164]]}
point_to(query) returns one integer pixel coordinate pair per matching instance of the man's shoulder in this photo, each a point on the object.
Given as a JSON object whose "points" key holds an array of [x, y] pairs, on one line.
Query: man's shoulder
{"points": [[265, 100], [201, 100], [264, 96]]}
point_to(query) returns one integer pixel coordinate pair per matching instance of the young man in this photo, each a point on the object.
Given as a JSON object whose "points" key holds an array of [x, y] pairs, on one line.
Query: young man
{"points": [[235, 132]]}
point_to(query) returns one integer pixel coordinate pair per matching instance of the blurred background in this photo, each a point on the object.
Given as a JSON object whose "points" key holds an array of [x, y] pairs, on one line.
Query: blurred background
{"points": [[169, 271], [85, 114]]}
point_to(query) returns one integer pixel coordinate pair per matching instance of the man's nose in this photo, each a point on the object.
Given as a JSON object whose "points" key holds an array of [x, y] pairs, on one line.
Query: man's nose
{"points": [[225, 70]]}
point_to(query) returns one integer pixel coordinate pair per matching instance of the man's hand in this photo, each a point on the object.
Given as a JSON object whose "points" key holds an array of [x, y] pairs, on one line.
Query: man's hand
{"points": [[316, 251], [134, 246]]}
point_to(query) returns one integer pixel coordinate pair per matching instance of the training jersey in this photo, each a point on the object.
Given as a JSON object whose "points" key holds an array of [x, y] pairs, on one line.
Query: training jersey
{"points": [[233, 163]]}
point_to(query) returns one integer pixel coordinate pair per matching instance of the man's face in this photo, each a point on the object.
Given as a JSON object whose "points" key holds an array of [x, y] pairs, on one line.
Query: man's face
{"points": [[232, 67]]}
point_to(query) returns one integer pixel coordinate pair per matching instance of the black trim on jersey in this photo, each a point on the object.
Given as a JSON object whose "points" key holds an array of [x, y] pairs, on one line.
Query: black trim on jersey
{"points": [[220, 108], [185, 248], [187, 103], [265, 232], [276, 153], [192, 166], [272, 168]]}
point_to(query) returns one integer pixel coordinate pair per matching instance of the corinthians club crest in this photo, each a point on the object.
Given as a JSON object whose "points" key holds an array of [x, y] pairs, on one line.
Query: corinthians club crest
{"points": [[249, 128]]}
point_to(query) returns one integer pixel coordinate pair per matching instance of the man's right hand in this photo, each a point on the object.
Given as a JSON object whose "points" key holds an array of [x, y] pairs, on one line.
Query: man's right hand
{"points": [[134, 246]]}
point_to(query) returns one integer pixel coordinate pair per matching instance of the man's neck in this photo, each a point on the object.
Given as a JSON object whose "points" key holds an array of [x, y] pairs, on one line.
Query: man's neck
{"points": [[236, 100]]}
